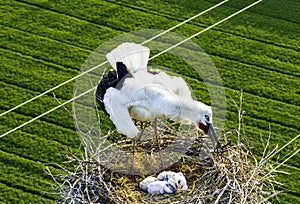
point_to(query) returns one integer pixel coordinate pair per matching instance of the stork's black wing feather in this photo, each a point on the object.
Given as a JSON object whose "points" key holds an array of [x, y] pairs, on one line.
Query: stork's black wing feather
{"points": [[111, 79], [107, 81], [122, 70]]}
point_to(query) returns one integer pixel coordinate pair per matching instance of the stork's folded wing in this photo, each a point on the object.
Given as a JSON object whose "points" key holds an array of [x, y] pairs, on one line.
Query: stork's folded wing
{"points": [[116, 107]]}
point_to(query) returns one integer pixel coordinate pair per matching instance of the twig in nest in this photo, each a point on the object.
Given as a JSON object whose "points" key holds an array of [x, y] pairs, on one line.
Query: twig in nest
{"points": [[235, 176]]}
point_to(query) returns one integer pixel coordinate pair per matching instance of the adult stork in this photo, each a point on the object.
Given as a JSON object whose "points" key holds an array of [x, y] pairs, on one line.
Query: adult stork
{"points": [[130, 91]]}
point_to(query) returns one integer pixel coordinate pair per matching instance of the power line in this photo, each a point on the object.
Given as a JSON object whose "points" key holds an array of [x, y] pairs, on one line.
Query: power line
{"points": [[93, 68], [206, 29], [45, 113], [162, 52]]}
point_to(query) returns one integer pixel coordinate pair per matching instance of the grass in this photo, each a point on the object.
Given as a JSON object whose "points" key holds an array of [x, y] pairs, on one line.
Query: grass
{"points": [[44, 43]]}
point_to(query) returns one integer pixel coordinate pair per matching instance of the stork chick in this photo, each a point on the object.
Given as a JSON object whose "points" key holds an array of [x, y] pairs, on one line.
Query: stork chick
{"points": [[178, 178], [161, 187], [144, 184]]}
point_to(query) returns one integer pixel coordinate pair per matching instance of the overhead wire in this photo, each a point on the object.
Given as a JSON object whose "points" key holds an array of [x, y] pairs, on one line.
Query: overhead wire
{"points": [[160, 53], [93, 68]]}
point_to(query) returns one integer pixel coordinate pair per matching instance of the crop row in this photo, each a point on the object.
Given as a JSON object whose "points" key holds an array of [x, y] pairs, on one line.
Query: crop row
{"points": [[247, 51], [43, 105], [70, 28], [185, 29], [290, 188], [283, 35], [47, 102], [236, 48], [134, 22], [270, 58], [184, 9], [233, 47], [277, 78], [25, 175], [57, 126], [270, 8], [58, 117], [53, 25], [41, 145], [42, 48], [32, 146], [237, 75], [258, 131], [14, 195], [255, 107], [127, 18], [33, 74], [258, 81]]}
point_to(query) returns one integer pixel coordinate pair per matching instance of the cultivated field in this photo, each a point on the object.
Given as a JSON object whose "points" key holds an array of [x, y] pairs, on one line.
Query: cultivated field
{"points": [[45, 42]]}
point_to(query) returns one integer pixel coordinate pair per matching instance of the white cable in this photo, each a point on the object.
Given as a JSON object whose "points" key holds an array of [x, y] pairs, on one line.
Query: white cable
{"points": [[232, 15], [199, 14], [209, 27], [85, 72], [45, 113]]}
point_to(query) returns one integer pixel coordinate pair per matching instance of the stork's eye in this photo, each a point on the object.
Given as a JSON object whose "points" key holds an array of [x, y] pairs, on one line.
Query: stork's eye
{"points": [[207, 117], [179, 184]]}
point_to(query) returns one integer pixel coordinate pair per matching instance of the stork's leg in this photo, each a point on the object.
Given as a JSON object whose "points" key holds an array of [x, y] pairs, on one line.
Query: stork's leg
{"points": [[132, 173], [142, 131], [156, 136]]}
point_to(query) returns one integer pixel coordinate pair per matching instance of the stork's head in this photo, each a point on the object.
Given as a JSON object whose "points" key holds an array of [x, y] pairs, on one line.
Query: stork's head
{"points": [[204, 121], [204, 117]]}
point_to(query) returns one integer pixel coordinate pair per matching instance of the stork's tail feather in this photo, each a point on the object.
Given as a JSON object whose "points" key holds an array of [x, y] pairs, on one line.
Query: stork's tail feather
{"points": [[134, 56]]}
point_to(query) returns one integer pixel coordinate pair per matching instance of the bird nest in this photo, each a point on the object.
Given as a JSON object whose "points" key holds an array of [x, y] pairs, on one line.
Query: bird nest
{"points": [[232, 176]]}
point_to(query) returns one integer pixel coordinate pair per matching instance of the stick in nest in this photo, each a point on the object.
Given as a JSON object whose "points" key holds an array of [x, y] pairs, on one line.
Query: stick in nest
{"points": [[234, 176]]}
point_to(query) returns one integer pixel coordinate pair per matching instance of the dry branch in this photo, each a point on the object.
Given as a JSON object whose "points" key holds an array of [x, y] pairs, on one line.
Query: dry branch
{"points": [[232, 176]]}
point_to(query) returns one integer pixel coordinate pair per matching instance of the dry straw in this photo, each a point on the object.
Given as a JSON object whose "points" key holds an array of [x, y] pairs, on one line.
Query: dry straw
{"points": [[231, 176]]}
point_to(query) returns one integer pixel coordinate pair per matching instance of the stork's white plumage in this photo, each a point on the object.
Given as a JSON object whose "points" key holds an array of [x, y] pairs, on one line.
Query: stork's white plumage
{"points": [[146, 96], [166, 182], [161, 187], [134, 56], [144, 183], [177, 177]]}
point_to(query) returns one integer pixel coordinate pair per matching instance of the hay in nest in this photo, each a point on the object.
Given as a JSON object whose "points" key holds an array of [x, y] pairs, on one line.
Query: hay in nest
{"points": [[232, 176]]}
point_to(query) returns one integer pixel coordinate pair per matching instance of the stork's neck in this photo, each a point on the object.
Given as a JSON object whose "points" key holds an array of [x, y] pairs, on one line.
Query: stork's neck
{"points": [[189, 110]]}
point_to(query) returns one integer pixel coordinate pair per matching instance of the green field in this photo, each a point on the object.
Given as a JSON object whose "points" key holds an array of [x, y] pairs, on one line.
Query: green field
{"points": [[44, 43]]}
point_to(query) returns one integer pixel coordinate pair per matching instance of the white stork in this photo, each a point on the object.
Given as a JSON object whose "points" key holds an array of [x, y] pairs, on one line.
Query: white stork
{"points": [[131, 91]]}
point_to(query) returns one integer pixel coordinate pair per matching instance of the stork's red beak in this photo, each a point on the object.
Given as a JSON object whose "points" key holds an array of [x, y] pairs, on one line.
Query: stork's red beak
{"points": [[203, 127], [209, 129]]}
